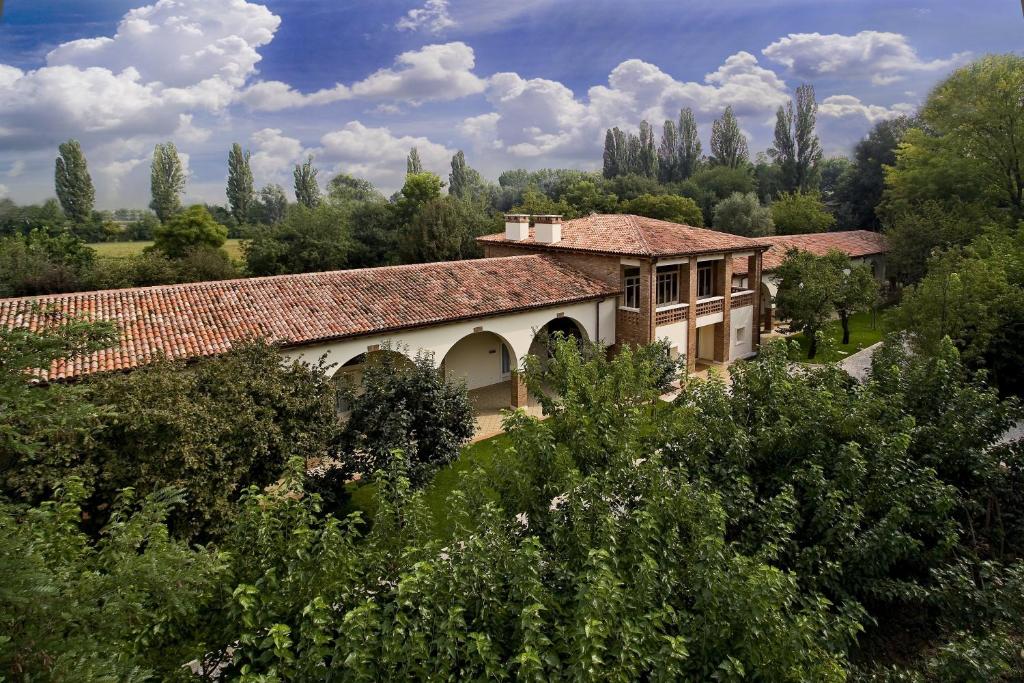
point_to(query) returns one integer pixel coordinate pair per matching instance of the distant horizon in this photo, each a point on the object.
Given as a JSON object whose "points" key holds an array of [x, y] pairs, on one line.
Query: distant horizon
{"points": [[530, 86]]}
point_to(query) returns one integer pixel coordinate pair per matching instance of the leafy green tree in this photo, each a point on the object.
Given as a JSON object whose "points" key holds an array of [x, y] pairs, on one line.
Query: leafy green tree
{"points": [[915, 233], [40, 263], [344, 188], [307, 190], [586, 197], [306, 241], [375, 234], [166, 180], [405, 404], [978, 114], [807, 285], [413, 165], [742, 214], [797, 149], [464, 182], [271, 205], [689, 145], [768, 178], [728, 144], [648, 151], [859, 190], [443, 229], [668, 153], [73, 183], [535, 203], [193, 228], [832, 170], [240, 192], [610, 157], [630, 186], [796, 213], [857, 289], [666, 207]]}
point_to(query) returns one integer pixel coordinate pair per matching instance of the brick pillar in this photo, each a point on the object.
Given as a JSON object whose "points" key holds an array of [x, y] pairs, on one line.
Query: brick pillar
{"points": [[648, 297], [754, 283], [519, 394], [723, 330], [691, 317], [768, 318]]}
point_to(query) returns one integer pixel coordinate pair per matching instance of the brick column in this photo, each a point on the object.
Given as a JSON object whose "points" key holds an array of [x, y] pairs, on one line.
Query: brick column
{"points": [[691, 317], [754, 283], [519, 394], [723, 330], [648, 299]]}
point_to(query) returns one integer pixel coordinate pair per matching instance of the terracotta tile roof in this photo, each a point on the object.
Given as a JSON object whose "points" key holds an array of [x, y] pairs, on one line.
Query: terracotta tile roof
{"points": [[205, 318], [629, 235], [853, 243]]}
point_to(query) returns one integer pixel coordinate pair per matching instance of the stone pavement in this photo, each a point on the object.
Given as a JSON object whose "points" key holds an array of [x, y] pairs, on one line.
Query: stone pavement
{"points": [[488, 402]]}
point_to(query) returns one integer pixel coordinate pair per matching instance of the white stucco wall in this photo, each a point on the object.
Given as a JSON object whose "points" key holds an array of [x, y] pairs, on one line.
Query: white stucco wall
{"points": [[516, 329], [676, 335], [706, 344], [741, 318], [476, 360]]}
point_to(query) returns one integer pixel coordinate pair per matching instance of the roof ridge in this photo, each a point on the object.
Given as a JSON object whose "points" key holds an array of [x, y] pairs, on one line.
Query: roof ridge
{"points": [[640, 233]]}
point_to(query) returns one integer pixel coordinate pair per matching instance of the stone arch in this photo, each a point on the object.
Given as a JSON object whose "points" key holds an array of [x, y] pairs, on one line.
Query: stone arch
{"points": [[480, 359], [351, 372]]}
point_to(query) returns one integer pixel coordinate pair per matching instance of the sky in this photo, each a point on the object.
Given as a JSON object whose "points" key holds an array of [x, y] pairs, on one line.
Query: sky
{"points": [[513, 83]]}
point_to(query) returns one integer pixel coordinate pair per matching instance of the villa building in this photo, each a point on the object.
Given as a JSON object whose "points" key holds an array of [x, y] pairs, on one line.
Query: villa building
{"points": [[614, 279]]}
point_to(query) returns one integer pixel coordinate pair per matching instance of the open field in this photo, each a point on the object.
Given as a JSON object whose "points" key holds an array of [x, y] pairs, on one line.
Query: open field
{"points": [[865, 330], [125, 249]]}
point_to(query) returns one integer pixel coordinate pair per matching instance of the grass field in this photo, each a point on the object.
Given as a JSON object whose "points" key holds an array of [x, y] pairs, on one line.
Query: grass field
{"points": [[865, 330], [125, 249], [438, 493]]}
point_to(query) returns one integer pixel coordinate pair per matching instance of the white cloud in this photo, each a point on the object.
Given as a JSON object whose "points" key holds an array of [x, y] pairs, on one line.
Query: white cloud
{"points": [[841, 106], [16, 169], [434, 72], [274, 154], [3, 191], [883, 57], [432, 17], [165, 60], [377, 154], [537, 116]]}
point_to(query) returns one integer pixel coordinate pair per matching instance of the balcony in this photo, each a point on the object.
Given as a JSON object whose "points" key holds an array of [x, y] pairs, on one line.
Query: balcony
{"points": [[742, 297], [666, 315], [709, 305]]}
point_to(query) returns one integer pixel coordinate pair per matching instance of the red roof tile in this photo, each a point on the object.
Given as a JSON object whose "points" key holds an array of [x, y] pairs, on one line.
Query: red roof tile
{"points": [[630, 235], [206, 318], [853, 243]]}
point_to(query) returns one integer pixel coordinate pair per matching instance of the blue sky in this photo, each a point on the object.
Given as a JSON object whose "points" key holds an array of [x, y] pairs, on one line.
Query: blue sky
{"points": [[526, 83]]}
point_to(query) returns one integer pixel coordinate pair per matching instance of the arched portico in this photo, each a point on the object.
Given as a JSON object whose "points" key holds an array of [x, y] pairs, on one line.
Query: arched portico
{"points": [[564, 325]]}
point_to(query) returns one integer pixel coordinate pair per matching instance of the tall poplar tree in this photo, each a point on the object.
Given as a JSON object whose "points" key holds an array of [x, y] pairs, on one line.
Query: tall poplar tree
{"points": [[240, 191], [610, 159], [462, 179], [633, 153], [413, 163], [166, 181], [621, 151], [689, 144], [648, 151], [307, 191], [728, 144], [668, 153], [797, 150], [73, 183]]}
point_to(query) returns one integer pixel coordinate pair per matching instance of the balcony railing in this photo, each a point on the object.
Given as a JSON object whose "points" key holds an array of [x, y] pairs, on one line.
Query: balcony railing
{"points": [[742, 297], [671, 314], [712, 304]]}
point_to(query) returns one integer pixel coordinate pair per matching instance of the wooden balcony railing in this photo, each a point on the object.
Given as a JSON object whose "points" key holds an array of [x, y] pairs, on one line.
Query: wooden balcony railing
{"points": [[672, 314]]}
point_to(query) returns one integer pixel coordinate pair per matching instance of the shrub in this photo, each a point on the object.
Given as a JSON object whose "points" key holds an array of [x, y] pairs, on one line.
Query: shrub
{"points": [[742, 214], [190, 229], [795, 213]]}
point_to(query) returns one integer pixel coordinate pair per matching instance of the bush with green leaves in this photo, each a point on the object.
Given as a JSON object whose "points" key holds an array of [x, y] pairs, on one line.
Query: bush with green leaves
{"points": [[742, 214], [666, 207], [404, 403], [307, 240], [795, 213], [193, 228]]}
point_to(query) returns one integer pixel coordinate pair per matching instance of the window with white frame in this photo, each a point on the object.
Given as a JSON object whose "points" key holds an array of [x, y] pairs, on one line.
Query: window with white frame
{"points": [[705, 279], [631, 288], [668, 285]]}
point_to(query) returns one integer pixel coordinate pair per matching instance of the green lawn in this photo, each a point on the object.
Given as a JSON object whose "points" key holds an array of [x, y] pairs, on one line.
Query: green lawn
{"points": [[364, 498], [125, 249], [865, 330]]}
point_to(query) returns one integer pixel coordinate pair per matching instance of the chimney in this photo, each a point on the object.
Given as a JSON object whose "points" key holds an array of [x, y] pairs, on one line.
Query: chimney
{"points": [[517, 226], [548, 228]]}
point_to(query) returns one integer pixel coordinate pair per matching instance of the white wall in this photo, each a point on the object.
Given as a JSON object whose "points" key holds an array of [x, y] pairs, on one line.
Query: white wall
{"points": [[707, 342], [516, 329], [476, 360], [741, 317], [676, 335]]}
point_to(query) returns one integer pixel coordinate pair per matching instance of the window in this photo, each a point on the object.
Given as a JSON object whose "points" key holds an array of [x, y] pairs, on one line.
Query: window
{"points": [[631, 287], [705, 279], [741, 335], [668, 285], [506, 360]]}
